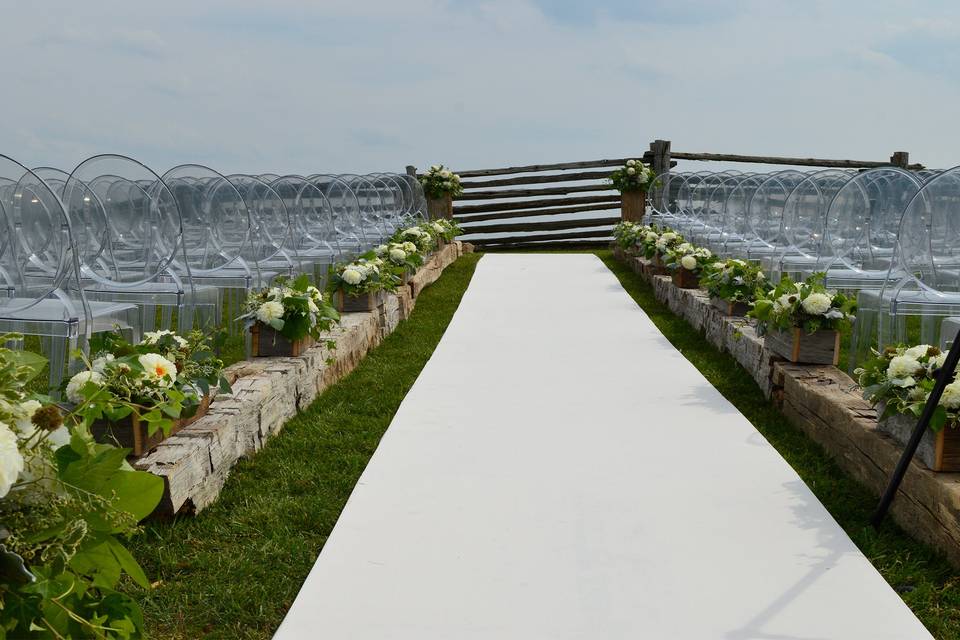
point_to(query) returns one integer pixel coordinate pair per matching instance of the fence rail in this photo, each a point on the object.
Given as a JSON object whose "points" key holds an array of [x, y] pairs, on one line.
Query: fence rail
{"points": [[553, 216]]}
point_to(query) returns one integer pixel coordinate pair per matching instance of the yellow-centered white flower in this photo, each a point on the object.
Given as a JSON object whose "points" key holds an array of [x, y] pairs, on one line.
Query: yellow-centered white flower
{"points": [[158, 368]]}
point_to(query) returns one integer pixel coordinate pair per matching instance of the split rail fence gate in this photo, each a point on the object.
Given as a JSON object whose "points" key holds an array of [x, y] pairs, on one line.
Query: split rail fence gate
{"points": [[571, 205]]}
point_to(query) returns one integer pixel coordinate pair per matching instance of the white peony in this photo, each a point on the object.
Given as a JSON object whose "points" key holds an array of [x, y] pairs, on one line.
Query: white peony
{"points": [[270, 310], [76, 384], [816, 304], [352, 276], [398, 255], [951, 395], [631, 171], [158, 368], [631, 163], [445, 173], [100, 364], [688, 262], [918, 351], [902, 367], [11, 460]]}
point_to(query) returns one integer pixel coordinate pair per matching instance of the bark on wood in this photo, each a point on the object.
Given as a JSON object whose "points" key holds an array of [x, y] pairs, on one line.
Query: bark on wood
{"points": [[540, 226], [532, 193], [533, 204], [805, 162], [559, 166], [537, 179], [501, 215], [573, 235]]}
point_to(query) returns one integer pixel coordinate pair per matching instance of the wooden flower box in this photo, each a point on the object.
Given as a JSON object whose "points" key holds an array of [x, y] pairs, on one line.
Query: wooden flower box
{"points": [[633, 205], [659, 265], [938, 451], [131, 432], [364, 302], [685, 279], [268, 342], [797, 346], [729, 308], [440, 207]]}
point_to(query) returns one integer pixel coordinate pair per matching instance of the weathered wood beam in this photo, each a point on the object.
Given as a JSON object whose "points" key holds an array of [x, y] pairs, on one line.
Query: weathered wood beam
{"points": [[805, 162], [532, 204], [533, 193], [559, 166], [564, 245], [534, 237], [553, 225], [559, 177], [500, 215]]}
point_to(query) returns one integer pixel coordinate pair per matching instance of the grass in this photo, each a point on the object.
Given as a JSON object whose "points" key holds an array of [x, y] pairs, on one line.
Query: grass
{"points": [[233, 570], [925, 581]]}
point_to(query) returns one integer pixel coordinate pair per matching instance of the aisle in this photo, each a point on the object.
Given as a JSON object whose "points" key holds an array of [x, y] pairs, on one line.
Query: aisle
{"points": [[560, 471]]}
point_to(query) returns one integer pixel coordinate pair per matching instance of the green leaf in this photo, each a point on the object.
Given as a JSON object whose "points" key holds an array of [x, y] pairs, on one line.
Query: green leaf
{"points": [[128, 563]]}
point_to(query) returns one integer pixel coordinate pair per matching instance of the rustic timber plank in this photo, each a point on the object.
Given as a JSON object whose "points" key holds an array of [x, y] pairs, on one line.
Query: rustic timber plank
{"points": [[555, 225], [500, 215], [532, 193], [532, 204], [558, 166], [545, 179]]}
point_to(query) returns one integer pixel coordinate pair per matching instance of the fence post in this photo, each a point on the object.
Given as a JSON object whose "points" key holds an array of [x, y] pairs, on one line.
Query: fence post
{"points": [[411, 170], [661, 164], [900, 159]]}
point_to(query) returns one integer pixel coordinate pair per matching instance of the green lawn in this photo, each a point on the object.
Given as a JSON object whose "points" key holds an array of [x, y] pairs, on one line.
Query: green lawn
{"points": [[234, 570], [923, 578]]}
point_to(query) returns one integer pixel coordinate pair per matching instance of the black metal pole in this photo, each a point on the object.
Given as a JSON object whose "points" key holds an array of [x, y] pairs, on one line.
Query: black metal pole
{"points": [[944, 377]]}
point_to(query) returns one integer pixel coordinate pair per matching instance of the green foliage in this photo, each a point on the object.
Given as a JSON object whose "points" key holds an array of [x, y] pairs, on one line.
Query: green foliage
{"points": [[294, 308], [807, 305], [734, 280]]}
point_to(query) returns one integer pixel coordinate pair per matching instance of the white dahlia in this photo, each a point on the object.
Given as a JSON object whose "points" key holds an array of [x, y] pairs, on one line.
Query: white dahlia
{"points": [[902, 367], [352, 276], [269, 311], [688, 262], [816, 304]]}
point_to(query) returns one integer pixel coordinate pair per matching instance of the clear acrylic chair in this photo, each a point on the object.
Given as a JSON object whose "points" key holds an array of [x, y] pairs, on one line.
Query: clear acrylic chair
{"points": [[349, 230], [765, 216], [804, 221], [40, 271], [128, 231], [737, 234], [314, 240]]}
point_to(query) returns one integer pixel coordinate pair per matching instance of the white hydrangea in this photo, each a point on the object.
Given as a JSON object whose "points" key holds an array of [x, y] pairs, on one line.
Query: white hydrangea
{"points": [[631, 163], [902, 367], [951, 395], [816, 304], [409, 247], [11, 460], [78, 381], [380, 249], [152, 337], [398, 255], [918, 351], [631, 171], [352, 276], [685, 247], [158, 368], [437, 227], [100, 364], [668, 236], [688, 262], [652, 236], [413, 232], [269, 311]]}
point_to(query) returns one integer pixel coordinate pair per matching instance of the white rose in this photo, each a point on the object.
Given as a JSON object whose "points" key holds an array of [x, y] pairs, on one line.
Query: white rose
{"points": [[902, 367], [688, 262], [631, 171], [816, 304], [631, 163], [398, 255], [918, 351], [270, 310], [951, 395], [445, 174], [76, 384], [11, 461], [352, 276]]}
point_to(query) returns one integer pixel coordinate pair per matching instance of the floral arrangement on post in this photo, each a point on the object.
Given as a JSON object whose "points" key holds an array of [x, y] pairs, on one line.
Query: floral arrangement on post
{"points": [[901, 378], [734, 280], [806, 305], [66, 503], [633, 176], [293, 308], [439, 182]]}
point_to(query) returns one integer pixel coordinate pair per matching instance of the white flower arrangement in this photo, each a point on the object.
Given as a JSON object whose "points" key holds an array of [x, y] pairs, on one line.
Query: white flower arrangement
{"points": [[807, 305], [295, 309], [686, 256], [439, 182], [633, 176], [371, 273]]}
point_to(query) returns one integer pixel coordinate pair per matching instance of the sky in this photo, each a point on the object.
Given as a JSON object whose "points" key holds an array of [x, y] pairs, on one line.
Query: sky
{"points": [[374, 85]]}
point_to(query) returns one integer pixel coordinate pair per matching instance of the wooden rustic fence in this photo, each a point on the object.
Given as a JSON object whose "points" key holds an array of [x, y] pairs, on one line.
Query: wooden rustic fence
{"points": [[571, 205]]}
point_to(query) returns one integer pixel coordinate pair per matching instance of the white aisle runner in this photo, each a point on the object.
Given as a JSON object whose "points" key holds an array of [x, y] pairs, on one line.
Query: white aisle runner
{"points": [[560, 471]]}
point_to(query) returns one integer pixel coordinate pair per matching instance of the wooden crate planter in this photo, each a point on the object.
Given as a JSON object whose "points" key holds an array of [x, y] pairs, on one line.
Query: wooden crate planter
{"points": [[267, 342], [659, 266], [939, 451], [795, 345], [685, 279], [729, 308], [365, 302], [131, 432], [633, 205], [440, 207]]}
